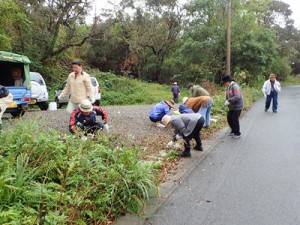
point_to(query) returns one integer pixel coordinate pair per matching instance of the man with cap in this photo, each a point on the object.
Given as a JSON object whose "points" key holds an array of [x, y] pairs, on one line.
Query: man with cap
{"points": [[188, 127], [201, 104], [159, 110], [176, 91], [270, 89], [197, 90], [84, 118], [234, 100], [78, 86]]}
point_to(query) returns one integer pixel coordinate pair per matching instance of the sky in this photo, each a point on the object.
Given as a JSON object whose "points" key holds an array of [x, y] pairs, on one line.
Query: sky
{"points": [[294, 6]]}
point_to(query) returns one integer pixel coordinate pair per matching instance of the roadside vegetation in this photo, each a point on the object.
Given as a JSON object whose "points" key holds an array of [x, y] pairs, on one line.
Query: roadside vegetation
{"points": [[50, 178]]}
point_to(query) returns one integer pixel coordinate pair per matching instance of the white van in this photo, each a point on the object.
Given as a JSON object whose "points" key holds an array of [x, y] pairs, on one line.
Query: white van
{"points": [[39, 91]]}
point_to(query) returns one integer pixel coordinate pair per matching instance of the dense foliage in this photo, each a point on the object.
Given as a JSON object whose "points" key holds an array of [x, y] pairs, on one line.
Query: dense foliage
{"points": [[156, 41], [49, 179]]}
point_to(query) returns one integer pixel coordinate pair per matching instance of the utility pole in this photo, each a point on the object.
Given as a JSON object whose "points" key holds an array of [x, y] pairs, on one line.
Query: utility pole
{"points": [[228, 52]]}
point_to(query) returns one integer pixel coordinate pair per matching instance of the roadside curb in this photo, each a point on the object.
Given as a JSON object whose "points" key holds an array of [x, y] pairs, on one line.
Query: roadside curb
{"points": [[174, 181]]}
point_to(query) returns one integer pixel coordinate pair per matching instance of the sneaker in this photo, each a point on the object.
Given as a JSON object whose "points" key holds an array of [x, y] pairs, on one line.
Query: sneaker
{"points": [[274, 111], [185, 154], [266, 110], [231, 134], [236, 136], [197, 148]]}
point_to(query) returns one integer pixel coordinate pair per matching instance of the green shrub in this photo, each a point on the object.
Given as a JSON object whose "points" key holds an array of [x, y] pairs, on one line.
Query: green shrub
{"points": [[47, 179], [118, 90]]}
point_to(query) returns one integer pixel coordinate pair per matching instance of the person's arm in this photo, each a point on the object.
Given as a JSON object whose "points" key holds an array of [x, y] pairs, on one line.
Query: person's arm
{"points": [[278, 86], [73, 121], [102, 113], [236, 93], [178, 90], [89, 88], [66, 90], [264, 87]]}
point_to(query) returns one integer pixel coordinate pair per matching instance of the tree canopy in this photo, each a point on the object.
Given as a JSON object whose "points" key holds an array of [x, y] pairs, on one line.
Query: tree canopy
{"points": [[153, 40]]}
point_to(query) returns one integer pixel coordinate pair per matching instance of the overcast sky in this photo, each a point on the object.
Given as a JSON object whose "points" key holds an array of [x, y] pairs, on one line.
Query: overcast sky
{"points": [[294, 6]]}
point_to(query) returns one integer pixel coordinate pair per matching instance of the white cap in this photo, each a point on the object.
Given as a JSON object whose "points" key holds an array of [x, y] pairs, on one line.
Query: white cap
{"points": [[166, 119], [184, 99]]}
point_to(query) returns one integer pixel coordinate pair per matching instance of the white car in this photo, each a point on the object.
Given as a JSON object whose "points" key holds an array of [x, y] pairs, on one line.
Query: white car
{"points": [[39, 91], [65, 100]]}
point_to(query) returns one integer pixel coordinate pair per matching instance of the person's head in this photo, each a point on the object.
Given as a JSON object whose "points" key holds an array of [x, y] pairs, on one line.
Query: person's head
{"points": [[272, 77], [226, 80], [166, 120], [190, 86], [175, 83], [184, 100], [170, 103], [76, 66], [16, 73], [85, 107]]}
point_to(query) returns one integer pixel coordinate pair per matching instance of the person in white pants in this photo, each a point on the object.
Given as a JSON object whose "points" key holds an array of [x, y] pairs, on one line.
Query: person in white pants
{"points": [[78, 86], [5, 99]]}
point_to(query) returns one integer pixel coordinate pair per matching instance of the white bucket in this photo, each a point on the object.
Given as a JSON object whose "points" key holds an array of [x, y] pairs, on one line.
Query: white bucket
{"points": [[52, 106]]}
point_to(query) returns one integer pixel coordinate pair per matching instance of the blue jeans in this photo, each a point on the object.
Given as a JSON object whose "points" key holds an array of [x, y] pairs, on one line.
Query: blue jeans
{"points": [[205, 112], [273, 95]]}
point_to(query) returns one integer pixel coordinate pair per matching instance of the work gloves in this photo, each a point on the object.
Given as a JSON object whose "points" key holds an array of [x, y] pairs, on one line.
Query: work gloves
{"points": [[105, 127], [92, 100], [226, 102]]}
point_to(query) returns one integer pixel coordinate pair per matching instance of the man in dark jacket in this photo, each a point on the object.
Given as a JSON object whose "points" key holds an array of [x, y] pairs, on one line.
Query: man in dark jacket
{"points": [[188, 127], [234, 100], [84, 119], [176, 92]]}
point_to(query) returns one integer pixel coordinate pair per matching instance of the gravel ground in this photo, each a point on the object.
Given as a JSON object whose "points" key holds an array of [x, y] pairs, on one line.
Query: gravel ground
{"points": [[130, 120]]}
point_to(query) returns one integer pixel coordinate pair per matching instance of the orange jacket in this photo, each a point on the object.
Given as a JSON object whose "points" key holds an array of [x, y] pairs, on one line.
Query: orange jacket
{"points": [[195, 103]]}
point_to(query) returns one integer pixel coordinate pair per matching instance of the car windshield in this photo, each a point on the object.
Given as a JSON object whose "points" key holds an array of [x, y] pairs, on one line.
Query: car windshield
{"points": [[36, 77]]}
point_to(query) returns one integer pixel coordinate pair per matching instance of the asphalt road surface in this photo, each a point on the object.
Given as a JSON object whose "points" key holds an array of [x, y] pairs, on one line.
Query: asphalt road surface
{"points": [[253, 180]]}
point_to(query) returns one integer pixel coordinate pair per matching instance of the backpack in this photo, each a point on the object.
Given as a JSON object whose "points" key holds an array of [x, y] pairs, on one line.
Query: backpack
{"points": [[3, 92]]}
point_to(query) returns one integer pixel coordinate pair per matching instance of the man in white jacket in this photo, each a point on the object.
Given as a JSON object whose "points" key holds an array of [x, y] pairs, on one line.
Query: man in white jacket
{"points": [[270, 89], [78, 86]]}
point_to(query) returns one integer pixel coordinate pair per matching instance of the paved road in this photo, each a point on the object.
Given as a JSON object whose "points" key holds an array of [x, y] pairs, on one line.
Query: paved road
{"points": [[254, 180]]}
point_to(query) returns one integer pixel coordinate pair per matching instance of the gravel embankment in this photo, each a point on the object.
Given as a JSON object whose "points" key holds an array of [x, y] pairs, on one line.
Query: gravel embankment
{"points": [[131, 120]]}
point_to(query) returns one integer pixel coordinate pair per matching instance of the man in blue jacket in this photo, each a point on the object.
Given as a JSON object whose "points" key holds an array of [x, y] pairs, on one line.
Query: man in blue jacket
{"points": [[234, 101], [160, 110]]}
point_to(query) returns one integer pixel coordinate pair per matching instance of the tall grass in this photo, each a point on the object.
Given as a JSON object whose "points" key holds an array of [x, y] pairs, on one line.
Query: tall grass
{"points": [[49, 179]]}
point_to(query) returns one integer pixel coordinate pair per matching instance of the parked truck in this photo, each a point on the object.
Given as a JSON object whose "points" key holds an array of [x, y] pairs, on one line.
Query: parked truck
{"points": [[21, 91]]}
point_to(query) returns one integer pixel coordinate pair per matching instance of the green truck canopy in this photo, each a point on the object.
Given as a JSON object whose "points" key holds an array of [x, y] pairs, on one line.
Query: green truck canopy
{"points": [[12, 57]]}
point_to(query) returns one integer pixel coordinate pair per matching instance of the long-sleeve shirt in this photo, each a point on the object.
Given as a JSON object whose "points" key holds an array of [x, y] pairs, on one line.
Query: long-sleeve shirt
{"points": [[175, 90], [267, 87], [199, 91], [159, 110], [79, 87], [90, 120], [234, 96], [185, 123]]}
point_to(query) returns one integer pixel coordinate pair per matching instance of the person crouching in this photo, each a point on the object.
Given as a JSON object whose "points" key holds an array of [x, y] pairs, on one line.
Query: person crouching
{"points": [[83, 119], [188, 127]]}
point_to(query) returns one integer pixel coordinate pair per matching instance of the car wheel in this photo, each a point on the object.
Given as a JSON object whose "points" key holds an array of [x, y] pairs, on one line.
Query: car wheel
{"points": [[59, 105], [43, 105], [97, 103], [18, 113]]}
